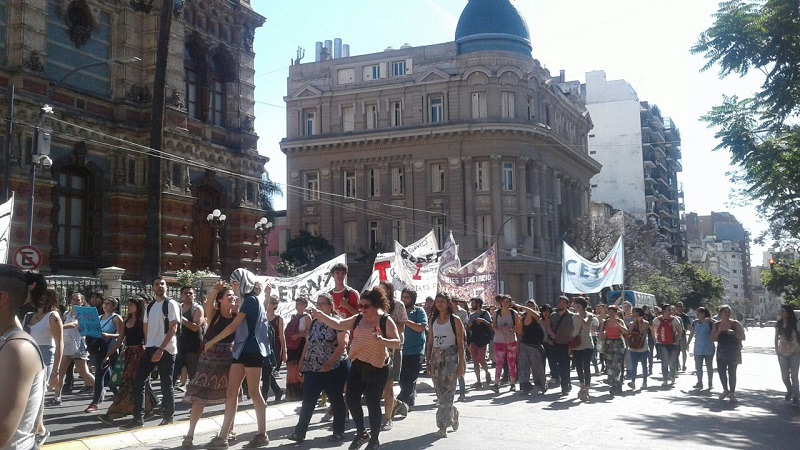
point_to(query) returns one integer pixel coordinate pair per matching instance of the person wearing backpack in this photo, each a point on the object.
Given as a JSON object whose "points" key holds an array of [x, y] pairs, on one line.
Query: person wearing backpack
{"points": [[415, 336], [561, 325], [190, 334], [637, 346], [295, 337], [481, 334], [530, 361], [506, 325], [372, 333], [160, 326], [667, 330]]}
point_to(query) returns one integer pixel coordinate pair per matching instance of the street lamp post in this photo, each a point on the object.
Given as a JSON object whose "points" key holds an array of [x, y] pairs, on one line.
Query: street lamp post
{"points": [[262, 229], [43, 159], [217, 220]]}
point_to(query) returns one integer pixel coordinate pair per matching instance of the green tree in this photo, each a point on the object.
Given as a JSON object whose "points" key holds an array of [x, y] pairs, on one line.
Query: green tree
{"points": [[307, 251], [760, 132], [705, 288], [287, 269], [662, 287], [267, 190], [784, 280]]}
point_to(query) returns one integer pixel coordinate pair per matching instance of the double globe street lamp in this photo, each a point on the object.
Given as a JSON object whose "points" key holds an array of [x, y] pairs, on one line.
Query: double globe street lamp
{"points": [[217, 220], [262, 229]]}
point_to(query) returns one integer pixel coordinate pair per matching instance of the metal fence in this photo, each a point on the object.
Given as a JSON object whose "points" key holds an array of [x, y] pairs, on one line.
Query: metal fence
{"points": [[67, 285]]}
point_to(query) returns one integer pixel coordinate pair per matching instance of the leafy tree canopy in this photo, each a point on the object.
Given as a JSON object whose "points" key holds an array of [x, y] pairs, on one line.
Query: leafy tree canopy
{"points": [[307, 251], [784, 280], [705, 288], [761, 132], [267, 190]]}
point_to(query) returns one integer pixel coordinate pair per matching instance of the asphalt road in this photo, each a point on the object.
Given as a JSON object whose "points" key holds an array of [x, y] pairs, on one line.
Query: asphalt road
{"points": [[660, 417]]}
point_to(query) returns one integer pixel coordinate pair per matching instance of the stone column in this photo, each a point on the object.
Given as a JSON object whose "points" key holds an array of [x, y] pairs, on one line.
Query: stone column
{"points": [[111, 278]]}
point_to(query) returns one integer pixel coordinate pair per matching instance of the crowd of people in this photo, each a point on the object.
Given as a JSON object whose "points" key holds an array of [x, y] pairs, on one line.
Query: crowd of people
{"points": [[345, 349]]}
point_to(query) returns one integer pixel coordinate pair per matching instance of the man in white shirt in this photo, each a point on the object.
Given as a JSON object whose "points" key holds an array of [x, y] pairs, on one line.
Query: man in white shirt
{"points": [[160, 350]]}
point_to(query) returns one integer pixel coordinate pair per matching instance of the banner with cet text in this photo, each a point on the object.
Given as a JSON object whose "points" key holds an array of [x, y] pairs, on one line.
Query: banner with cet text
{"points": [[580, 276]]}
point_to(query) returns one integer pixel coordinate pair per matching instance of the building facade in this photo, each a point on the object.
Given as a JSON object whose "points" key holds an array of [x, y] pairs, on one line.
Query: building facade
{"points": [[473, 136], [91, 205], [641, 157]]}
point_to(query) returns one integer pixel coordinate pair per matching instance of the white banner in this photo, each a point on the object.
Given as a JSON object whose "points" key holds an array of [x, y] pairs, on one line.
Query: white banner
{"points": [[419, 272], [477, 278], [382, 267], [6, 212], [580, 276], [309, 283]]}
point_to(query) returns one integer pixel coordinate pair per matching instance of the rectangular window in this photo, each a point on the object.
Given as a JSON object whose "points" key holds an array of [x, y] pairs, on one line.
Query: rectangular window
{"points": [[372, 72], [350, 236], [132, 179], [509, 232], [72, 200], [399, 230], [346, 76], [348, 118], [484, 231], [437, 178], [479, 105], [482, 176], [508, 176], [397, 114], [439, 228], [372, 116], [312, 228], [508, 105], [531, 110], [308, 123], [398, 181], [250, 193], [373, 183], [398, 68], [312, 186], [350, 183], [218, 103], [192, 81], [176, 178], [374, 239], [436, 109]]}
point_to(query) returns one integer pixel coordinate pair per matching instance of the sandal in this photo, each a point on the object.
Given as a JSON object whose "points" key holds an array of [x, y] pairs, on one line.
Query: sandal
{"points": [[232, 436], [259, 440], [187, 442]]}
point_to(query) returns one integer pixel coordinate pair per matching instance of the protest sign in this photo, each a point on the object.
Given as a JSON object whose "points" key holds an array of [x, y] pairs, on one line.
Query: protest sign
{"points": [[88, 321]]}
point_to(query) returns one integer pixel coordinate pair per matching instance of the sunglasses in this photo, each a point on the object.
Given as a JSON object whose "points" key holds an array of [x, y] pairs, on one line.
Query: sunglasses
{"points": [[364, 305]]}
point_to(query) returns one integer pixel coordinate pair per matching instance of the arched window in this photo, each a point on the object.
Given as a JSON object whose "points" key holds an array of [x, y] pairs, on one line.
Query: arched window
{"points": [[191, 66], [73, 202], [216, 104]]}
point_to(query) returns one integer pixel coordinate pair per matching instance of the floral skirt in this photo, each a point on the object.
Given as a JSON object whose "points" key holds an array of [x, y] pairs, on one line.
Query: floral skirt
{"points": [[123, 401], [210, 382]]}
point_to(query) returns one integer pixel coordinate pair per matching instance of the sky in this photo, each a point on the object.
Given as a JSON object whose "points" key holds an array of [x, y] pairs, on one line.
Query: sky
{"points": [[644, 42]]}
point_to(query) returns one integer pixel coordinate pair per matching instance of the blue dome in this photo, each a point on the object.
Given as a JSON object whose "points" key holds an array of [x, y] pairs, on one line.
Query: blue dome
{"points": [[492, 25]]}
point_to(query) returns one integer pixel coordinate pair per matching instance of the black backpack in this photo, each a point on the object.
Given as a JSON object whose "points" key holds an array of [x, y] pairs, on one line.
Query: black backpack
{"points": [[384, 317], [165, 313], [482, 334]]}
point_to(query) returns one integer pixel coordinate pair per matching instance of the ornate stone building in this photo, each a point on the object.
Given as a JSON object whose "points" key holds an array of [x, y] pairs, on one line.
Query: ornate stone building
{"points": [[473, 136], [90, 207]]}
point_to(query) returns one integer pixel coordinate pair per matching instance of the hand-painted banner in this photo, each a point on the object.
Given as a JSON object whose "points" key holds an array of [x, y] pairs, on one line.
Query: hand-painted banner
{"points": [[477, 278], [310, 283], [6, 212], [416, 271], [88, 321], [382, 268], [580, 276]]}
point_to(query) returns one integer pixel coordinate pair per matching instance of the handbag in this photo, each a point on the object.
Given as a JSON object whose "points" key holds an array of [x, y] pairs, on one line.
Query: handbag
{"points": [[117, 370], [575, 342], [96, 346]]}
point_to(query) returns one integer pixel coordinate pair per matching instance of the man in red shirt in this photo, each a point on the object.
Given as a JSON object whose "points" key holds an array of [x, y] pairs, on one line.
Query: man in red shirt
{"points": [[345, 298]]}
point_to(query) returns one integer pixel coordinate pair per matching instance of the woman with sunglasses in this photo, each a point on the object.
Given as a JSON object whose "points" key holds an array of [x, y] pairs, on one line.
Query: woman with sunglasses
{"points": [[210, 382], [373, 332], [111, 327], [445, 359], [325, 367]]}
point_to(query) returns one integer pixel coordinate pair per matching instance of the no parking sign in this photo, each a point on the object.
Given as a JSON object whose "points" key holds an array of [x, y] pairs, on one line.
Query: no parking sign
{"points": [[27, 257]]}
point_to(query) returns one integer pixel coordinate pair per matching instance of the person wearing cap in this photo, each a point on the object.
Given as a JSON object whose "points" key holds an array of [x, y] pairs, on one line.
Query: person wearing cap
{"points": [[22, 373]]}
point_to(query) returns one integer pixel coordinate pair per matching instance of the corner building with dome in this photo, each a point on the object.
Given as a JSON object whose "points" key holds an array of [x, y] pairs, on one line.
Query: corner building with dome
{"points": [[473, 136]]}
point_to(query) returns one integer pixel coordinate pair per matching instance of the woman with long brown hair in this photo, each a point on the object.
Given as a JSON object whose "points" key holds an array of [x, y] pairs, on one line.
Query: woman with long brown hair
{"points": [[445, 359], [728, 334], [614, 329], [132, 335], [74, 350]]}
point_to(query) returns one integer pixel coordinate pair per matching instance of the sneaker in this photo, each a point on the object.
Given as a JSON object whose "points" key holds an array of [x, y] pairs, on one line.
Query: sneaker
{"points": [[698, 386], [55, 401], [328, 416], [496, 388], [373, 445], [632, 384], [442, 433], [732, 398], [665, 383], [42, 438], [361, 439], [644, 384], [403, 410], [166, 421], [105, 419], [463, 397], [259, 440], [723, 394], [455, 419], [387, 425], [91, 408], [294, 437], [787, 397], [488, 378], [513, 387], [131, 424], [477, 385]]}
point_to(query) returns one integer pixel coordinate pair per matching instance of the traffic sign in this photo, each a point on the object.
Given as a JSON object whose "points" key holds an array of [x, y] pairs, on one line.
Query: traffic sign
{"points": [[27, 257]]}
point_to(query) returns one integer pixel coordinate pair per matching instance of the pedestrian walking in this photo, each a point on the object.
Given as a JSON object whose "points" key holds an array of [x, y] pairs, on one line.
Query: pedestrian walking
{"points": [[614, 328], [278, 346], [481, 334], [415, 337], [530, 359], [728, 334], [787, 347], [397, 311], [666, 330], [561, 326], [74, 353], [505, 325], [446, 360], [325, 366], [373, 332], [190, 335], [250, 347], [582, 345], [295, 337], [160, 325], [209, 386], [636, 338], [703, 346], [102, 357]]}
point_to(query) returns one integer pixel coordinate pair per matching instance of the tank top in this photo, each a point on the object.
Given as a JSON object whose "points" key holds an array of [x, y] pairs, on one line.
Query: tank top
{"points": [[443, 336], [188, 340], [366, 348], [219, 324], [73, 341], [24, 436], [532, 334], [40, 331], [134, 335], [505, 335], [613, 332]]}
